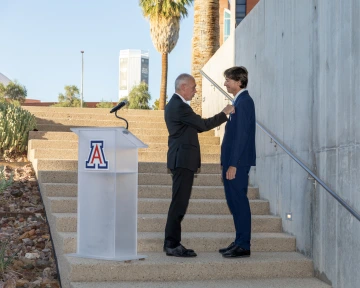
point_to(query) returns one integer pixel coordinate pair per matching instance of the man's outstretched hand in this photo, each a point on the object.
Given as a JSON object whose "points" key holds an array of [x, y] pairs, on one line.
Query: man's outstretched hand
{"points": [[229, 109]]}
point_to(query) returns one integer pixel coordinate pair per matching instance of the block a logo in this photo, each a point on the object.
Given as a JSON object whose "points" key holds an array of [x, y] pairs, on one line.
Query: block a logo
{"points": [[96, 158]]}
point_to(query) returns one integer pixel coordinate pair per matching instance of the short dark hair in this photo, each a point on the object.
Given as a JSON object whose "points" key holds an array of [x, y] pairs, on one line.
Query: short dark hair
{"points": [[237, 73]]}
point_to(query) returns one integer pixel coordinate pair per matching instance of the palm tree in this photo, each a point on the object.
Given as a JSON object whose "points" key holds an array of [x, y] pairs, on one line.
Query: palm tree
{"points": [[205, 42], [164, 17]]}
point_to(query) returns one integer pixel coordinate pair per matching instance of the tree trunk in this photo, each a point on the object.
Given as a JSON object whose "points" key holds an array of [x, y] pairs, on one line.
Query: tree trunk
{"points": [[205, 42], [164, 70]]}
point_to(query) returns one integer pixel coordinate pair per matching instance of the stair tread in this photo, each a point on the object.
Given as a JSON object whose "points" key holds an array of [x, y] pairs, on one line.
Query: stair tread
{"points": [[238, 283], [145, 235], [205, 257], [219, 216], [164, 200]]}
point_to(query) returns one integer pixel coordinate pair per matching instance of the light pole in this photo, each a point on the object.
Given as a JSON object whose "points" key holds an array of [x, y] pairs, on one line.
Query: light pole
{"points": [[82, 78]]}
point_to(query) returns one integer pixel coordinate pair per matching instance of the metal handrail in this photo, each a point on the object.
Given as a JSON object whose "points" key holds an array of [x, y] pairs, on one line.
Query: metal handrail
{"points": [[317, 179]]}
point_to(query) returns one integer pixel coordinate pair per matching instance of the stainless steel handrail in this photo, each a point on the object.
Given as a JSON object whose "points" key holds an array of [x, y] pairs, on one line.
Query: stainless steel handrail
{"points": [[317, 179]]}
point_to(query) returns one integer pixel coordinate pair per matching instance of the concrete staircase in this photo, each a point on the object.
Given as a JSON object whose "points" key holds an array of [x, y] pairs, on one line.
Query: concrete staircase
{"points": [[207, 226]]}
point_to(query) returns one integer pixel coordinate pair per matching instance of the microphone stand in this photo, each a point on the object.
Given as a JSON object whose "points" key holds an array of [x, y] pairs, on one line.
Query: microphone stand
{"points": [[127, 124]]}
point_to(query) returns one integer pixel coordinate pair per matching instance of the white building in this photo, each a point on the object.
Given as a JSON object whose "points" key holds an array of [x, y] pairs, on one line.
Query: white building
{"points": [[133, 69]]}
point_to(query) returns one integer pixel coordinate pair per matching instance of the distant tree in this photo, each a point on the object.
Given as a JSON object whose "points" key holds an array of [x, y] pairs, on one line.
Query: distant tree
{"points": [[71, 97], [139, 97], [2, 92], [164, 17], [155, 106], [14, 91], [104, 104]]}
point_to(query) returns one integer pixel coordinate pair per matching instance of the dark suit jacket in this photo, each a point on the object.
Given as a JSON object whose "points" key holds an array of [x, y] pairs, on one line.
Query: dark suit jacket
{"points": [[184, 125], [238, 146]]}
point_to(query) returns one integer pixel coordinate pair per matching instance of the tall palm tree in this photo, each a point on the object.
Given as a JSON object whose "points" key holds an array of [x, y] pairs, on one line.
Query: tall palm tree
{"points": [[164, 17], [205, 42]]}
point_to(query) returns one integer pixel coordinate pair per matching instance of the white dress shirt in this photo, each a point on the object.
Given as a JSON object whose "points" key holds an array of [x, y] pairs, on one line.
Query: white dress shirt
{"points": [[182, 98]]}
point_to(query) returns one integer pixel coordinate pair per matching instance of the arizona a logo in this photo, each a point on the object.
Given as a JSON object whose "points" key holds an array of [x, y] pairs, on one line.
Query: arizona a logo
{"points": [[96, 158]]}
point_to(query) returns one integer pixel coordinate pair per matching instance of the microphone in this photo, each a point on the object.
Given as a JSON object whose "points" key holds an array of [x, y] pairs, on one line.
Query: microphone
{"points": [[119, 106]]}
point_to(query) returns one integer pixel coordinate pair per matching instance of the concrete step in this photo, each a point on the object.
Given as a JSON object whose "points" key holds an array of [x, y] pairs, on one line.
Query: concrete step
{"points": [[53, 144], [237, 283], [145, 155], [161, 206], [143, 178], [113, 122], [136, 131], [71, 136], [146, 191], [207, 266], [66, 222], [104, 111], [143, 167], [152, 156], [86, 116], [200, 242]]}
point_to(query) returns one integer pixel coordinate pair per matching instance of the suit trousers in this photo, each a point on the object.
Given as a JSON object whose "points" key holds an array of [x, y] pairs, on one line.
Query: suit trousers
{"points": [[238, 202], [182, 181]]}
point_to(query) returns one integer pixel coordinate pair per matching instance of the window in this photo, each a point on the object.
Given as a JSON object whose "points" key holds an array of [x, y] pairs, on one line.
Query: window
{"points": [[227, 20]]}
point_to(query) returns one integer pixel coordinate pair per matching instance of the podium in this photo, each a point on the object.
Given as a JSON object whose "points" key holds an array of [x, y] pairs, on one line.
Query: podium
{"points": [[107, 193]]}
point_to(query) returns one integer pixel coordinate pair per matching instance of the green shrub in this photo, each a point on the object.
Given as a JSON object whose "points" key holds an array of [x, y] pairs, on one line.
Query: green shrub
{"points": [[104, 104], [15, 124]]}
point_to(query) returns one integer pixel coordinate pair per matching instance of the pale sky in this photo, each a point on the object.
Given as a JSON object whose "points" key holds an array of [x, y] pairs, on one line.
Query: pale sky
{"points": [[41, 41]]}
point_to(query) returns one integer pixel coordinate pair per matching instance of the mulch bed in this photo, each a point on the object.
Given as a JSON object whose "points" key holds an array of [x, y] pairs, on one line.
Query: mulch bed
{"points": [[24, 232]]}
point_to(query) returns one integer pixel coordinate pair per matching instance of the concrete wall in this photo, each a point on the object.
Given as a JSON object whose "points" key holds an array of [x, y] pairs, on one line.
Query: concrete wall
{"points": [[213, 100], [303, 59]]}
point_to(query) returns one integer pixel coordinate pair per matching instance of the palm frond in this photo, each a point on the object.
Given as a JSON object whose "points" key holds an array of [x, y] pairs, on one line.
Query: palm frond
{"points": [[165, 8]]}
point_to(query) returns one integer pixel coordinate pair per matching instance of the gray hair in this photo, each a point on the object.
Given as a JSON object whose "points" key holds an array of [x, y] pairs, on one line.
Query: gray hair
{"points": [[184, 77]]}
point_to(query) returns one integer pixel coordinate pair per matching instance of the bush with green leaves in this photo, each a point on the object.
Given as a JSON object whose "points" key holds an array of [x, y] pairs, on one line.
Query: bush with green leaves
{"points": [[139, 97], [70, 98], [15, 124], [104, 104], [14, 91]]}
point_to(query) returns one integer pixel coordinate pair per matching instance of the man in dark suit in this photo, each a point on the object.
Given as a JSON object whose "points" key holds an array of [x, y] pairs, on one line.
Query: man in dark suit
{"points": [[237, 156], [183, 157]]}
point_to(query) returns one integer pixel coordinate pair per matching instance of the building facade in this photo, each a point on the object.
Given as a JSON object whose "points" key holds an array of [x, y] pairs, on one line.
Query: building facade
{"points": [[133, 69], [226, 12]]}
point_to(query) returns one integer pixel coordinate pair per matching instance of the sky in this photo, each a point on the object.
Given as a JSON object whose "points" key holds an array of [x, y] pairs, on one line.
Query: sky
{"points": [[41, 40]]}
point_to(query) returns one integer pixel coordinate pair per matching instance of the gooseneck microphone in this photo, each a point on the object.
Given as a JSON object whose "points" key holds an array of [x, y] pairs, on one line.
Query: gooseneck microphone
{"points": [[118, 106]]}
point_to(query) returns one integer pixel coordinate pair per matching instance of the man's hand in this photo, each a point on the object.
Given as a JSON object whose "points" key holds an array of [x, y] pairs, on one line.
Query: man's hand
{"points": [[229, 109], [230, 173]]}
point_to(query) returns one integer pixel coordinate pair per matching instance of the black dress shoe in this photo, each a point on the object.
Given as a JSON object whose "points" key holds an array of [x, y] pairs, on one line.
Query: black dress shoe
{"points": [[172, 247], [236, 252], [180, 251], [223, 250]]}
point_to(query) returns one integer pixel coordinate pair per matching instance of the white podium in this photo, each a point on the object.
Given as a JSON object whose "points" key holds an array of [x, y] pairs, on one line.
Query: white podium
{"points": [[107, 193]]}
